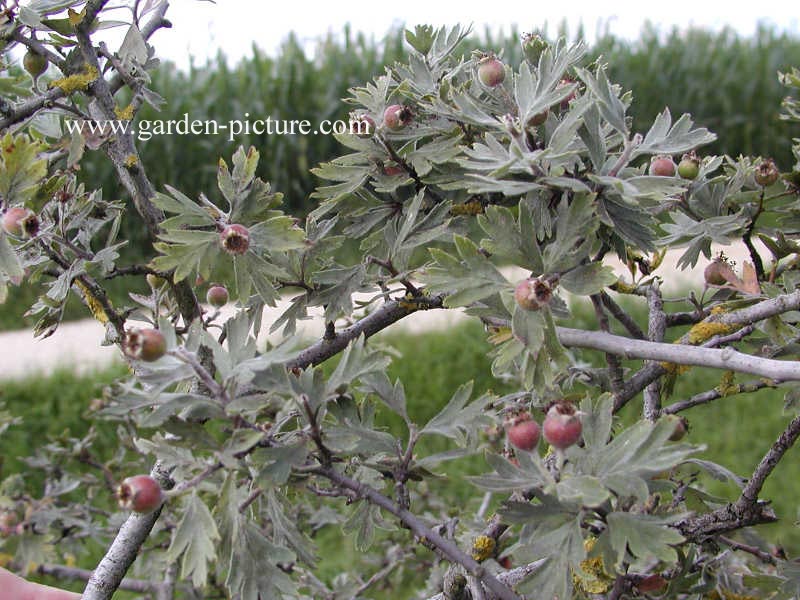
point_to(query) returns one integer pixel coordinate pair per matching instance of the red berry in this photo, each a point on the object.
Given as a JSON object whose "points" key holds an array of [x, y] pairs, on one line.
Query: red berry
{"points": [[362, 125], [217, 296], [20, 221], [766, 173], [562, 426], [533, 293], [491, 71], [689, 167], [145, 344], [140, 493], [392, 169], [396, 116], [574, 94], [538, 119], [235, 239], [662, 166], [523, 432], [651, 583]]}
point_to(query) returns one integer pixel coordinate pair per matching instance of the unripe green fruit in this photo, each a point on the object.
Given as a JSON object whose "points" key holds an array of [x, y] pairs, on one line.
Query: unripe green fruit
{"points": [[662, 166], [217, 296], [34, 63], [689, 167], [145, 344], [140, 493], [491, 72]]}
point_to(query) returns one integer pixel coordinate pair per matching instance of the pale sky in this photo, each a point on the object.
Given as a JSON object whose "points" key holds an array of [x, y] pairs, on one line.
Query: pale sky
{"points": [[200, 27]]}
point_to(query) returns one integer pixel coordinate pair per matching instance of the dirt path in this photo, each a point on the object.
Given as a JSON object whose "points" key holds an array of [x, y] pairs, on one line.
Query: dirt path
{"points": [[76, 345]]}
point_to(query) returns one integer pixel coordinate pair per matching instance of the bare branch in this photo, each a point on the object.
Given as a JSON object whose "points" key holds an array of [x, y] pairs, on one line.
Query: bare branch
{"points": [[109, 574], [656, 327], [620, 315], [386, 315], [711, 395], [448, 548], [786, 440], [63, 572], [727, 359], [764, 557]]}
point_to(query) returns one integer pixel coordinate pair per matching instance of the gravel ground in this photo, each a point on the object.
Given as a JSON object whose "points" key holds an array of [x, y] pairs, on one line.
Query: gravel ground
{"points": [[76, 345]]}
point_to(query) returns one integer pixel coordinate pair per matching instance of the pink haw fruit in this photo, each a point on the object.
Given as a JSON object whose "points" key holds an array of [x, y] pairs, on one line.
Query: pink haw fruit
{"points": [[396, 116], [217, 296], [766, 173], [662, 166], [491, 71], [562, 426], [140, 493], [523, 432], [235, 239], [21, 222], [145, 344], [533, 293]]}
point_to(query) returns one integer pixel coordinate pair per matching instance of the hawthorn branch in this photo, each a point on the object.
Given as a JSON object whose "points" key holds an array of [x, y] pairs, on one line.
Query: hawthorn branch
{"points": [[656, 327], [17, 113], [771, 459], [620, 315], [388, 314], [727, 359], [73, 573], [715, 394], [448, 548], [764, 557], [119, 557], [612, 360], [510, 578]]}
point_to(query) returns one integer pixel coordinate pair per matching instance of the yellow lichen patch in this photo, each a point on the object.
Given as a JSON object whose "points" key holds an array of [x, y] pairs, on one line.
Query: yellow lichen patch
{"points": [[592, 578], [704, 331], [483, 547], [623, 287], [131, 161], [94, 305], [675, 369], [727, 385], [125, 114], [719, 310], [77, 82], [470, 207]]}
